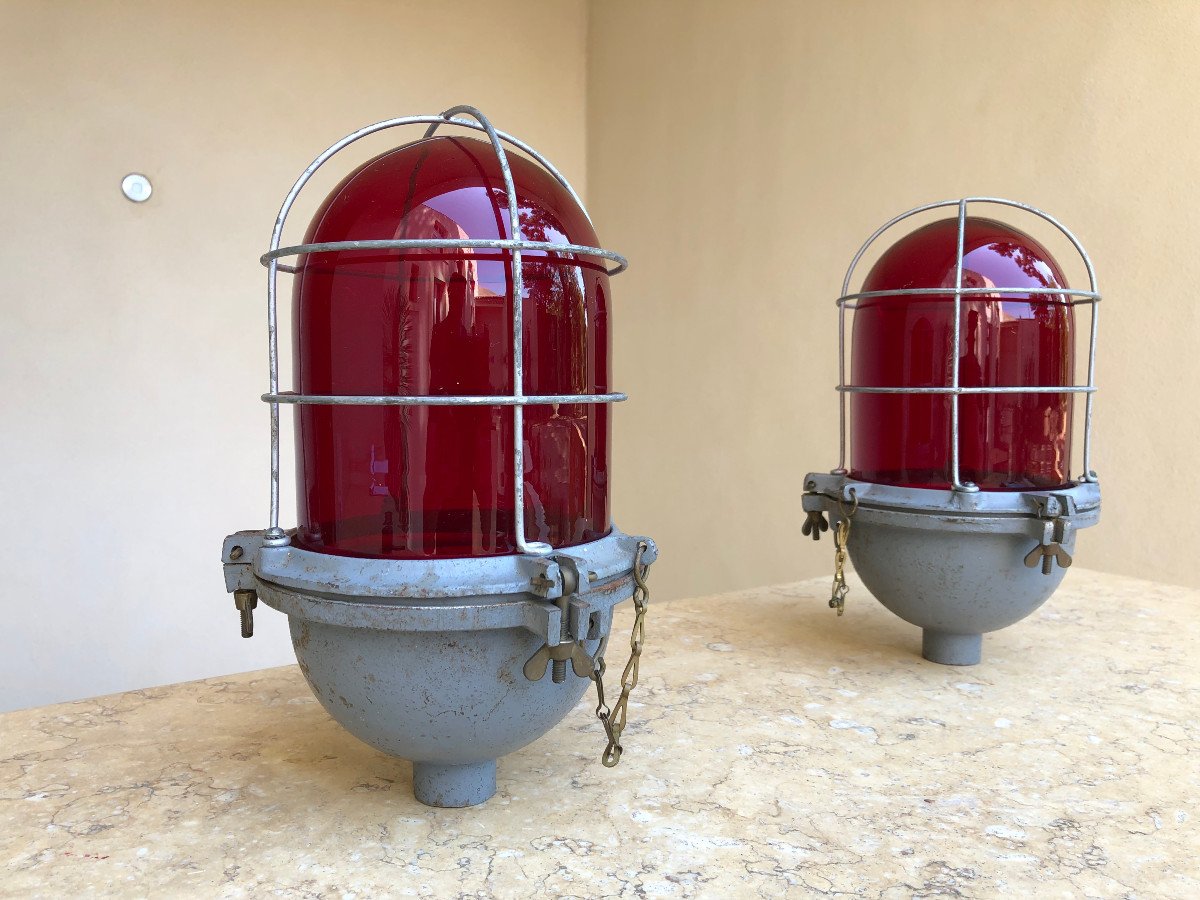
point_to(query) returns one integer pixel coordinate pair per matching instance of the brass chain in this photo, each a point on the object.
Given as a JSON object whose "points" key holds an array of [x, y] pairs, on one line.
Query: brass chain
{"points": [[614, 720], [841, 536]]}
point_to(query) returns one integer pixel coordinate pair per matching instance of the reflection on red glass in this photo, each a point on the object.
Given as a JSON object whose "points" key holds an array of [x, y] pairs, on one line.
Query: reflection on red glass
{"points": [[1007, 441], [419, 481]]}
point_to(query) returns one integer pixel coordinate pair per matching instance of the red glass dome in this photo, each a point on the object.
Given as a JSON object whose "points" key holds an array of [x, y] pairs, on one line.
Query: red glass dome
{"points": [[1007, 441], [436, 481]]}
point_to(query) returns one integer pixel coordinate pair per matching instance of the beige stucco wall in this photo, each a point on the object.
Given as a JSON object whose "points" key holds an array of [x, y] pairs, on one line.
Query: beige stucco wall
{"points": [[740, 153], [132, 344]]}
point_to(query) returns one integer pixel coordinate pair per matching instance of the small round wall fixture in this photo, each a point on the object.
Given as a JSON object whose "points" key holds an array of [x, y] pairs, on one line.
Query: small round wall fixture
{"points": [[451, 579], [136, 187], [956, 502]]}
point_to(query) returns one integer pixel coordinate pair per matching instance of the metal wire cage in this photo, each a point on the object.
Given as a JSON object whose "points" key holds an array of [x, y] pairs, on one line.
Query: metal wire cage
{"points": [[518, 399], [954, 390]]}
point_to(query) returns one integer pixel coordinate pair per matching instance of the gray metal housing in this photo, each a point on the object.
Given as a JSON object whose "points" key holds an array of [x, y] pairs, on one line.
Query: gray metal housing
{"points": [[957, 564], [426, 659]]}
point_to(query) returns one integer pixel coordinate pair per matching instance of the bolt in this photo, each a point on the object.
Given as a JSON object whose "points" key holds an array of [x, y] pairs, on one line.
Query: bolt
{"points": [[245, 601], [558, 674], [236, 553]]}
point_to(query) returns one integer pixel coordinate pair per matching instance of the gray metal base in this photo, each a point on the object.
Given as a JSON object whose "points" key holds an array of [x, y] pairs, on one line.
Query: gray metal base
{"points": [[951, 649], [451, 701], [956, 565], [436, 784], [427, 659]]}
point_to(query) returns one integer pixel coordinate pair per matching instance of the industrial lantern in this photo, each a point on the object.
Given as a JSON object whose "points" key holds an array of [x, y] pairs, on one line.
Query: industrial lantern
{"points": [[451, 355], [958, 508]]}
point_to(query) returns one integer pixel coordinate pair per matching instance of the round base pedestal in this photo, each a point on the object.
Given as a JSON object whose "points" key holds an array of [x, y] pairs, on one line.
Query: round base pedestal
{"points": [[435, 784], [951, 649]]}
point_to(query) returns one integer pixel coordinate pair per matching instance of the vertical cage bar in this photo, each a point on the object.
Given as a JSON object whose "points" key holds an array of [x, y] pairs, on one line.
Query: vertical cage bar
{"points": [[518, 345], [955, 349], [841, 469], [1088, 474], [518, 349], [518, 288], [273, 366]]}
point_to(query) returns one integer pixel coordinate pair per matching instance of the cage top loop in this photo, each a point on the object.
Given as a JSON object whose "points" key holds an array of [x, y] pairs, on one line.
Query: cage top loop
{"points": [[446, 118], [961, 203], [449, 117]]}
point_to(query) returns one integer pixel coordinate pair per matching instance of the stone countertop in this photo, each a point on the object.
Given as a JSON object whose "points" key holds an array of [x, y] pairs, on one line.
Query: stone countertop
{"points": [[773, 750]]}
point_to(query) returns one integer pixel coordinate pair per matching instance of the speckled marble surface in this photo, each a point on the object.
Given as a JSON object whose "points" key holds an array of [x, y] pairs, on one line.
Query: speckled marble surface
{"points": [[774, 750]]}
